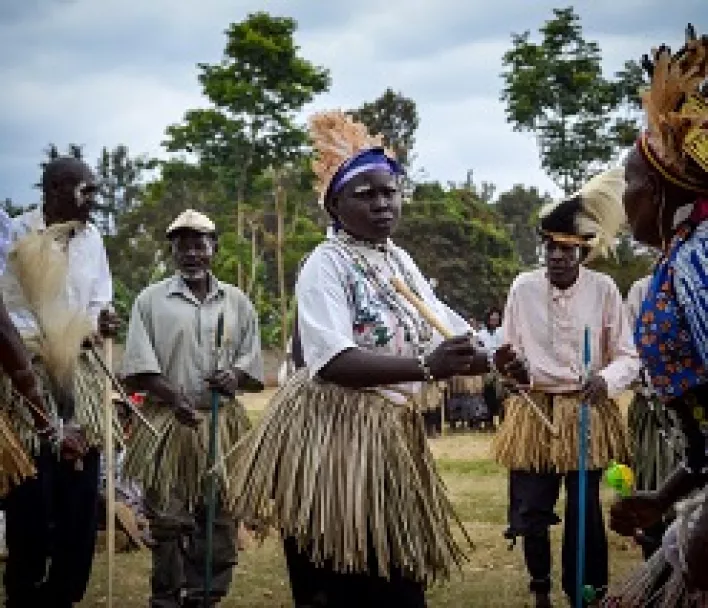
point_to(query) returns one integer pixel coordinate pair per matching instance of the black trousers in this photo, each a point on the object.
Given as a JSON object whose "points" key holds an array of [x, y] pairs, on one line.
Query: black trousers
{"points": [[533, 497], [51, 533], [179, 555], [322, 587]]}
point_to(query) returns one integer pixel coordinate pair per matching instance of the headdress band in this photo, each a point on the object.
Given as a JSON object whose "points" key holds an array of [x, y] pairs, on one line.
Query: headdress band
{"points": [[683, 182]]}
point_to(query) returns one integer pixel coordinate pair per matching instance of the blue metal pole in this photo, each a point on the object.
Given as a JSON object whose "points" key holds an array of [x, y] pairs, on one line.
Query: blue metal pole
{"points": [[582, 479]]}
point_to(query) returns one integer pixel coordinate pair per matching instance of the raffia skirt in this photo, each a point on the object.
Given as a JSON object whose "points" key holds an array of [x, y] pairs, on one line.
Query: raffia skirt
{"points": [[657, 441], [348, 473], [176, 463], [524, 443], [18, 440], [16, 462], [659, 582]]}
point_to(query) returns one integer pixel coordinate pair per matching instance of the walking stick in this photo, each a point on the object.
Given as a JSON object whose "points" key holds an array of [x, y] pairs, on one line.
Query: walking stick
{"points": [[583, 433], [211, 497], [109, 456], [113, 381], [428, 315]]}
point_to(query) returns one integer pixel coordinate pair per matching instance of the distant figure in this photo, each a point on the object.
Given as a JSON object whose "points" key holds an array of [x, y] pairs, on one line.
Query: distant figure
{"points": [[491, 336]]}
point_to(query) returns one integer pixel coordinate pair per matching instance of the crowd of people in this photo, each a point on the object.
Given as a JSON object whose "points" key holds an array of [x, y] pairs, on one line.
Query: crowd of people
{"points": [[340, 464]]}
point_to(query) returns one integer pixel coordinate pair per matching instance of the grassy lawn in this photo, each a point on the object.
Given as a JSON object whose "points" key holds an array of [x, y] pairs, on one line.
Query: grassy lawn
{"points": [[494, 575]]}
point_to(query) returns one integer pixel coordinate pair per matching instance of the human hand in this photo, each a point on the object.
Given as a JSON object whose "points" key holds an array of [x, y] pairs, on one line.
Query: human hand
{"points": [[595, 390], [184, 410], [224, 381], [511, 366], [108, 324], [456, 356], [637, 512], [73, 444]]}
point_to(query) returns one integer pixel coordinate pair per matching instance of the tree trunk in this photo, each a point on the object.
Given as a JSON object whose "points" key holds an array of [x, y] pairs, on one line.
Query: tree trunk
{"points": [[280, 244], [239, 238]]}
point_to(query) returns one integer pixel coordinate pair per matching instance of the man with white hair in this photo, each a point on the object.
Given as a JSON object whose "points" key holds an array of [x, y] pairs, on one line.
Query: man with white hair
{"points": [[172, 355]]}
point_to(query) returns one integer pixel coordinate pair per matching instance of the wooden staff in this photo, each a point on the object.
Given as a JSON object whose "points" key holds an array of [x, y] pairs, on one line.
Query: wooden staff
{"points": [[121, 391], [428, 315], [109, 456]]}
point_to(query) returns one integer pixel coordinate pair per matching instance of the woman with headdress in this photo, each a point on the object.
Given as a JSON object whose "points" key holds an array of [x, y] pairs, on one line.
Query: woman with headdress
{"points": [[339, 461], [666, 201]]}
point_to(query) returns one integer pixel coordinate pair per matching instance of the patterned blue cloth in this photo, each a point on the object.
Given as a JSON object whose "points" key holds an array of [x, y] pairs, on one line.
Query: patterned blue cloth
{"points": [[672, 329], [691, 285]]}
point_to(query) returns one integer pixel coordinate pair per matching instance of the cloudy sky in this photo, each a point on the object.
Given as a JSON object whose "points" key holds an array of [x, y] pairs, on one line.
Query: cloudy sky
{"points": [[106, 72]]}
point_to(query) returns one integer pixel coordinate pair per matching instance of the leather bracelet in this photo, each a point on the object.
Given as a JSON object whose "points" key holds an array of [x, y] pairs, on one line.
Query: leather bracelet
{"points": [[425, 368]]}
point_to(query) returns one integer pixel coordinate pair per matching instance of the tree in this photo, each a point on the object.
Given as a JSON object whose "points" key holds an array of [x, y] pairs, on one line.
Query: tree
{"points": [[627, 265], [518, 209], [461, 242], [120, 182], [556, 89], [256, 91], [14, 210], [395, 117]]}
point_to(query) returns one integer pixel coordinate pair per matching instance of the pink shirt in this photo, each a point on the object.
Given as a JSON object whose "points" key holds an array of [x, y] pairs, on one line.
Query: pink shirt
{"points": [[546, 325]]}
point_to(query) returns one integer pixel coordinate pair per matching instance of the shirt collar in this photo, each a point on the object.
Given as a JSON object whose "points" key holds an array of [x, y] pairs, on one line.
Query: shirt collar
{"points": [[178, 286], [34, 220], [570, 291]]}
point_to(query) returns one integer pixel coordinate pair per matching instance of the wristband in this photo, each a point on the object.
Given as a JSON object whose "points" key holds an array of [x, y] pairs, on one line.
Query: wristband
{"points": [[425, 369]]}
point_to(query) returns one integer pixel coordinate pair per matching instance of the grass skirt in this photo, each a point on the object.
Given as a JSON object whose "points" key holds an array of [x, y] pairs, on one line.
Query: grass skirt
{"points": [[346, 472], [89, 395], [524, 443], [16, 462], [657, 442], [175, 464]]}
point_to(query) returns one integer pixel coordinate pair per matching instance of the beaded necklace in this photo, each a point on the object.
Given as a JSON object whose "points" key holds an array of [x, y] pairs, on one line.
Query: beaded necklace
{"points": [[415, 329]]}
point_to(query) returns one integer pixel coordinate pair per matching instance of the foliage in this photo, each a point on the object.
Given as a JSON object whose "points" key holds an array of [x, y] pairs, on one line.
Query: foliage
{"points": [[458, 240], [255, 91], [626, 266], [556, 89], [519, 209], [395, 117]]}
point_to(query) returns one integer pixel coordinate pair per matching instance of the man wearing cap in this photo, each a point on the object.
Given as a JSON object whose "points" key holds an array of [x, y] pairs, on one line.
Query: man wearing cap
{"points": [[546, 314], [171, 354]]}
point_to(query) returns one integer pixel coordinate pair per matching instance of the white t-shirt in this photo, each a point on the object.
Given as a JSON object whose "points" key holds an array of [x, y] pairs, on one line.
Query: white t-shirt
{"points": [[340, 307]]}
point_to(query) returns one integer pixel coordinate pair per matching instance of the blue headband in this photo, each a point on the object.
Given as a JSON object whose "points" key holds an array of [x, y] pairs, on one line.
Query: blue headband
{"points": [[371, 159]]}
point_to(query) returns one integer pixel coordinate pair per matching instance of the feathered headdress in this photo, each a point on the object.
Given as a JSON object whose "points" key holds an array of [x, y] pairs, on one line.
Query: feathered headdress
{"points": [[676, 106], [337, 139], [592, 217]]}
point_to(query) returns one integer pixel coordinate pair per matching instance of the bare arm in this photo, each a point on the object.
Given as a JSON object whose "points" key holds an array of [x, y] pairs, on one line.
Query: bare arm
{"points": [[156, 385], [16, 362], [357, 368]]}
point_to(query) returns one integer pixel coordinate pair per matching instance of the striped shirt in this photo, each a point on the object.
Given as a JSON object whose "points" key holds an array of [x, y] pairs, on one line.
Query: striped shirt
{"points": [[691, 286]]}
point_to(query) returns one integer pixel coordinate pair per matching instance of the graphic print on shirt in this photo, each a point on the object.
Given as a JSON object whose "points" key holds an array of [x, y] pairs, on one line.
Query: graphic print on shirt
{"points": [[372, 319]]}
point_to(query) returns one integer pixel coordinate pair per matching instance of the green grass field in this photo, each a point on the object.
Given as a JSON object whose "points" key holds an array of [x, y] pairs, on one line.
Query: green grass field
{"points": [[494, 575]]}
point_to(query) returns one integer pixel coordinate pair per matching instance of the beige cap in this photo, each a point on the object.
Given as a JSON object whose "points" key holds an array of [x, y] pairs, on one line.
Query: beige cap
{"points": [[192, 220]]}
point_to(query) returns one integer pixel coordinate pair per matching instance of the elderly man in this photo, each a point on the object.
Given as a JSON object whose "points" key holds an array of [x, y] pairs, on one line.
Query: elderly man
{"points": [[172, 355], [52, 519], [546, 314]]}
